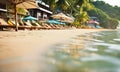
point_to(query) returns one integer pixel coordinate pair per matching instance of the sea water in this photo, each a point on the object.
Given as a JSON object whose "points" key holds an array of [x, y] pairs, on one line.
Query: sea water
{"points": [[94, 52]]}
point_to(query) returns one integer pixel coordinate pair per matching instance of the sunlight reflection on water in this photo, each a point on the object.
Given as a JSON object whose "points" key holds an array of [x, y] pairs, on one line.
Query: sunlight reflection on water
{"points": [[96, 52]]}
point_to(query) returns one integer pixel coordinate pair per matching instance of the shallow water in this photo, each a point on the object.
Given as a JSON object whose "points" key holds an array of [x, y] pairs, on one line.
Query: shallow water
{"points": [[95, 52]]}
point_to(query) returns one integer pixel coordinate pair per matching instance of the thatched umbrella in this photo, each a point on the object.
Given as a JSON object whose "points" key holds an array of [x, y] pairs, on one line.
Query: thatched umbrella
{"points": [[61, 16], [27, 4]]}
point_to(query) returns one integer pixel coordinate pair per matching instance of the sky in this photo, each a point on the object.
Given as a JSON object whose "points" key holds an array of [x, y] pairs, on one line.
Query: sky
{"points": [[113, 2]]}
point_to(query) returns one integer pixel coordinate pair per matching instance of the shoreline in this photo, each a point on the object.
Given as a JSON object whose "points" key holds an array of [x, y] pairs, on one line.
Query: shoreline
{"points": [[42, 38], [38, 40], [19, 49]]}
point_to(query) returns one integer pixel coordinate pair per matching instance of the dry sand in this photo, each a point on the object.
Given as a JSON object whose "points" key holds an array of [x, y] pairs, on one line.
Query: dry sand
{"points": [[20, 51]]}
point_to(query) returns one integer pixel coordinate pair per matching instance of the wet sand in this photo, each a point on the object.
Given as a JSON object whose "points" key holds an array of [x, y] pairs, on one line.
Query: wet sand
{"points": [[22, 51]]}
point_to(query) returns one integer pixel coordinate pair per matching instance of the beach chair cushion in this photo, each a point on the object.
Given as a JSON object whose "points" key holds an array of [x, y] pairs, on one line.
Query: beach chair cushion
{"points": [[3, 22], [10, 23]]}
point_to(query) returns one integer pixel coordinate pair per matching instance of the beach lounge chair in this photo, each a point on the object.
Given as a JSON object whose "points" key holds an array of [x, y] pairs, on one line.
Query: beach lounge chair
{"points": [[37, 25], [54, 27], [48, 26], [45, 26], [57, 27], [5, 25], [25, 25], [29, 25], [20, 27], [3, 22]]}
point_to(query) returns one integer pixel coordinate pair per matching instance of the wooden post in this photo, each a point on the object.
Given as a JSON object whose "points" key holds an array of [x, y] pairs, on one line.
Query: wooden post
{"points": [[16, 26]]}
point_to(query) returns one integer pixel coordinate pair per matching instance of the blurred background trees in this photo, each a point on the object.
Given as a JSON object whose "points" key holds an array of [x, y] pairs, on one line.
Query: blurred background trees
{"points": [[81, 10]]}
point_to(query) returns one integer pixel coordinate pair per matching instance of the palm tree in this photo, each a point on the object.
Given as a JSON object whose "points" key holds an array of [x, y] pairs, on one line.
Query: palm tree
{"points": [[10, 9], [62, 4], [78, 8], [82, 18], [58, 4]]}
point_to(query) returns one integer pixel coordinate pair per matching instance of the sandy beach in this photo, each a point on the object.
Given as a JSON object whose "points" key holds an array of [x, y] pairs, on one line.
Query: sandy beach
{"points": [[20, 51]]}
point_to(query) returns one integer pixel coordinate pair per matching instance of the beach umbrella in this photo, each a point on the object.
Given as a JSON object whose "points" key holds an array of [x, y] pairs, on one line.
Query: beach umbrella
{"points": [[27, 4], [53, 21], [61, 16], [29, 18], [63, 23]]}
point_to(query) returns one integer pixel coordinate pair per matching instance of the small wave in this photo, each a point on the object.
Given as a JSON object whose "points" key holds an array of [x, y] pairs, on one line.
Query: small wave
{"points": [[91, 49], [113, 60], [97, 34], [114, 47], [116, 39], [96, 40], [102, 44]]}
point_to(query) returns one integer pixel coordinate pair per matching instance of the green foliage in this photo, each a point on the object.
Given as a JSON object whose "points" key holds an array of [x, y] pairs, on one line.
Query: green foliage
{"points": [[107, 14], [82, 9], [82, 17], [52, 4], [113, 23], [62, 4], [76, 23], [66, 5], [113, 12], [105, 20]]}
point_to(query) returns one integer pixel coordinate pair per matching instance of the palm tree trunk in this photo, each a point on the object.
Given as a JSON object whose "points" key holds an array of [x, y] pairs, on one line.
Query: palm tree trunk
{"points": [[16, 26]]}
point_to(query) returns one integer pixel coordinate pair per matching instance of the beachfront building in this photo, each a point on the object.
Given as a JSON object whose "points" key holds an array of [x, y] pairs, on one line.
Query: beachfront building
{"points": [[93, 23], [41, 13], [3, 10]]}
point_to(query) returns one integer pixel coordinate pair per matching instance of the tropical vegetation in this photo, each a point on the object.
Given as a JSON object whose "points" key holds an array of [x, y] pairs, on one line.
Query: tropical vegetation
{"points": [[112, 11], [107, 14], [83, 9]]}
